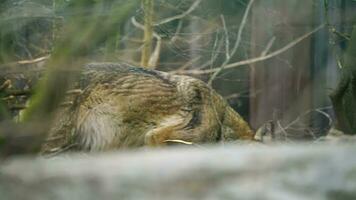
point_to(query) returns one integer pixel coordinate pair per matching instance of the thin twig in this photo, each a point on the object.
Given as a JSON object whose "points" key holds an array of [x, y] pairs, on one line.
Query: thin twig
{"points": [[326, 115], [187, 12], [36, 60], [24, 62], [215, 53], [268, 46], [175, 36], [227, 41], [189, 63], [153, 61], [285, 134]]}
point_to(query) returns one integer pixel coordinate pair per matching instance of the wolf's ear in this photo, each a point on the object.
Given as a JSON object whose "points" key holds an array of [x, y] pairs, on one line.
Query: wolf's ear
{"points": [[266, 132]]}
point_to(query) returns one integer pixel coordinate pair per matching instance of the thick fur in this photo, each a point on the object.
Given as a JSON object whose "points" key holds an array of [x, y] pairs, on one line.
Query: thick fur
{"points": [[123, 106]]}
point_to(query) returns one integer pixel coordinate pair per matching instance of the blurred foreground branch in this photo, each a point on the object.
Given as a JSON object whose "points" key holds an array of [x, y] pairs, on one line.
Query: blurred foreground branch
{"points": [[79, 38]]}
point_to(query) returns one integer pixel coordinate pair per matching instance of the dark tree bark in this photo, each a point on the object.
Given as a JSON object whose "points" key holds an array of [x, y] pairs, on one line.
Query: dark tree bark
{"points": [[344, 96]]}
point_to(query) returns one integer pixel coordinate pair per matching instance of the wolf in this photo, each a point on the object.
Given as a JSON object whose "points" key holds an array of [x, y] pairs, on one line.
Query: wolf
{"points": [[122, 106]]}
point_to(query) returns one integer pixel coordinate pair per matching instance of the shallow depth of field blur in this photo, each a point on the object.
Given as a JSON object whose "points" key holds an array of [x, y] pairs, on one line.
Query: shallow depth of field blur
{"points": [[272, 60], [288, 67]]}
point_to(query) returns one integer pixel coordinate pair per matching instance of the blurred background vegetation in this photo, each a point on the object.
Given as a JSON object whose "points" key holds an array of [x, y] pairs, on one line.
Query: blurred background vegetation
{"points": [[271, 59]]}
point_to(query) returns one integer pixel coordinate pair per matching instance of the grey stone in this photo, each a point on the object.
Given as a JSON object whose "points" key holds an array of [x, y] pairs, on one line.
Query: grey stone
{"points": [[303, 171]]}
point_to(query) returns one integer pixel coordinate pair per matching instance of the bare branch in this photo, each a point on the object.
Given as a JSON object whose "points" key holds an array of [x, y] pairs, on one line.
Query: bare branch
{"points": [[268, 46], [189, 63], [256, 59], [326, 115], [285, 134], [36, 60], [214, 53], [24, 62], [156, 52], [153, 61], [237, 42]]}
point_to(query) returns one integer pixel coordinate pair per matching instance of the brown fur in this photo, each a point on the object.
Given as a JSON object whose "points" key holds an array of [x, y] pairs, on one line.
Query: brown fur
{"points": [[123, 106]]}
